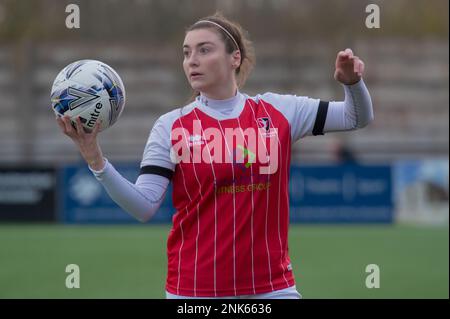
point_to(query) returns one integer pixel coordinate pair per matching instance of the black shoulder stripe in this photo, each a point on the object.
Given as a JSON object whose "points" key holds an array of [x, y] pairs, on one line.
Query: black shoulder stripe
{"points": [[158, 170], [320, 118]]}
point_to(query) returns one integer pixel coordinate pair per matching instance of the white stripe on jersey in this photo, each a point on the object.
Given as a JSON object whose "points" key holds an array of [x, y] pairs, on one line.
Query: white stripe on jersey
{"points": [[234, 211], [196, 249], [198, 210], [179, 253], [181, 227], [267, 201], [279, 188], [253, 211], [215, 205]]}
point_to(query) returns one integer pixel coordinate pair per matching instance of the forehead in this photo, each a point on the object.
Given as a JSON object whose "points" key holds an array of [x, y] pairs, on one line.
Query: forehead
{"points": [[197, 36]]}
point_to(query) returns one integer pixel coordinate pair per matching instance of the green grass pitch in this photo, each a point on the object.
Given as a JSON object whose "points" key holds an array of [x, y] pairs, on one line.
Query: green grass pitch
{"points": [[130, 261]]}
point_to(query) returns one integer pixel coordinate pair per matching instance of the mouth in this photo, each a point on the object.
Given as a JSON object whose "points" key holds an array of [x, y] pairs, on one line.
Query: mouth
{"points": [[194, 75]]}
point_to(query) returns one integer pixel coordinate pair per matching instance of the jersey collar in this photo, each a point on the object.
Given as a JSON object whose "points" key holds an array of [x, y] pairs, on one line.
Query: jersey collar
{"points": [[222, 109]]}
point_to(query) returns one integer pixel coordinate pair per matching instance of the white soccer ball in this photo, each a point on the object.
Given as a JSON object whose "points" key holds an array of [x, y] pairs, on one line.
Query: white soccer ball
{"points": [[91, 90]]}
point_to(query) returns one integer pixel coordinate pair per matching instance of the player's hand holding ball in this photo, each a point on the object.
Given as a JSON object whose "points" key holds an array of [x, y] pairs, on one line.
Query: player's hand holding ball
{"points": [[87, 142], [87, 97], [349, 68]]}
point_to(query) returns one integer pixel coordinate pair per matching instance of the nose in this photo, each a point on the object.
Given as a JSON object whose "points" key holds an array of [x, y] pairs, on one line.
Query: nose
{"points": [[192, 60]]}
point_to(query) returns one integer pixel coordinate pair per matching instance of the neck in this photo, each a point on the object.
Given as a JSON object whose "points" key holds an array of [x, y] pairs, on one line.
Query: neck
{"points": [[222, 92], [221, 104]]}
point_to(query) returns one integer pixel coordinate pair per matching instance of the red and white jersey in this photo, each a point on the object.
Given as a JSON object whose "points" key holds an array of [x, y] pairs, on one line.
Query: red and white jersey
{"points": [[229, 164]]}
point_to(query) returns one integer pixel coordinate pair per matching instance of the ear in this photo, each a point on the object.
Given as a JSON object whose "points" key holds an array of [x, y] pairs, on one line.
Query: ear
{"points": [[236, 59]]}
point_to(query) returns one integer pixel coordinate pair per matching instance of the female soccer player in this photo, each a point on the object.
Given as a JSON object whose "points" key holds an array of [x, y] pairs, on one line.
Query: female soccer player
{"points": [[228, 156]]}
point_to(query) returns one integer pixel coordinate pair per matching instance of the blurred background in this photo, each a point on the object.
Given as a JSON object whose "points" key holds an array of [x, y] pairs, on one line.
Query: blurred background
{"points": [[376, 196]]}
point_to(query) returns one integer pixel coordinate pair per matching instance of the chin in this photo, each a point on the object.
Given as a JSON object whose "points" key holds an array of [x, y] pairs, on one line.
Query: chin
{"points": [[198, 87]]}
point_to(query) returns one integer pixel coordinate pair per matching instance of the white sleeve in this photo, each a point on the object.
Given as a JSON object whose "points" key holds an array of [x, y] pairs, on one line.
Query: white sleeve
{"points": [[142, 199], [308, 116], [300, 111], [157, 149], [354, 112]]}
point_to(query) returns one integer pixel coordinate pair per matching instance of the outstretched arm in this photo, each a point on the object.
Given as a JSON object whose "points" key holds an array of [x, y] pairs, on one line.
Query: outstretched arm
{"points": [[309, 116], [356, 110]]}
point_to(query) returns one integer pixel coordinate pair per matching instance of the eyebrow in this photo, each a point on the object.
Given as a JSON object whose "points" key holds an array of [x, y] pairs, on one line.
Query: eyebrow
{"points": [[198, 45]]}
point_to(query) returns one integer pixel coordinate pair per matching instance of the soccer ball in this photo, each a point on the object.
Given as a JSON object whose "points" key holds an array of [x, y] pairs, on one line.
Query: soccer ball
{"points": [[91, 90]]}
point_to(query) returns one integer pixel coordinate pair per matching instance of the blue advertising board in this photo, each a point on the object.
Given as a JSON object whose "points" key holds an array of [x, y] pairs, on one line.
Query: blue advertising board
{"points": [[341, 194], [84, 200], [318, 194]]}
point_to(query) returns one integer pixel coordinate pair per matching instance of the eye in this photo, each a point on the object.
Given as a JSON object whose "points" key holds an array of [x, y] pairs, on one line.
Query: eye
{"points": [[185, 53], [204, 50]]}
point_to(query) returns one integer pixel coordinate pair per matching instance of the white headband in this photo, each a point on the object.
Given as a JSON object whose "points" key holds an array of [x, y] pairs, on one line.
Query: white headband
{"points": [[222, 28]]}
